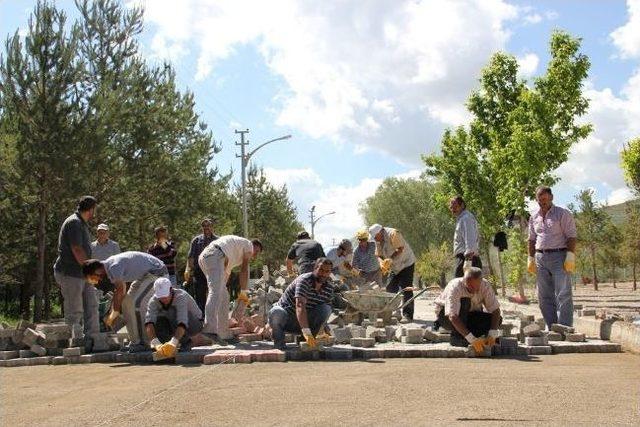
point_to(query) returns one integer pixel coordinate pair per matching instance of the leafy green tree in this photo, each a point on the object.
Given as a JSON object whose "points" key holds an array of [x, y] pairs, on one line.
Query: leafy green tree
{"points": [[408, 205], [631, 164], [82, 113], [611, 253], [592, 223], [39, 76], [631, 240], [434, 263], [518, 137]]}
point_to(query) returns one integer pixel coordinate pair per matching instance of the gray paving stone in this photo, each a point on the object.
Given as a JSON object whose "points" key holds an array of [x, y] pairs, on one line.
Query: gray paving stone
{"points": [[532, 330], [538, 349], [342, 335], [554, 336], [335, 353], [26, 353], [39, 350], [536, 341], [9, 354], [362, 342], [575, 337], [414, 333], [562, 329], [73, 351], [508, 342], [412, 339]]}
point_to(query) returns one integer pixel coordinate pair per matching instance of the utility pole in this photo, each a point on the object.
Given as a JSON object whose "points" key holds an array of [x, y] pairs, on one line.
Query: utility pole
{"points": [[243, 168], [315, 220], [244, 162]]}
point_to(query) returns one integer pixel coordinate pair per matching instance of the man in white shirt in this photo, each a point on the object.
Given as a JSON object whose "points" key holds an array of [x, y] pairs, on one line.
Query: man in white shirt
{"points": [[460, 309], [465, 238], [216, 262]]}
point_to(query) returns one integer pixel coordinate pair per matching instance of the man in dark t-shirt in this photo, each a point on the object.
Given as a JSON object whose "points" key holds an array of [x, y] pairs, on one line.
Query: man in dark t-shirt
{"points": [[80, 302], [305, 251]]}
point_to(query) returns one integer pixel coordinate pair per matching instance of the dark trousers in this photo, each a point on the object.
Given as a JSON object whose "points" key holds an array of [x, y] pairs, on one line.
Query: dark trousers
{"points": [[475, 262], [166, 328], [400, 280], [478, 322], [200, 289]]}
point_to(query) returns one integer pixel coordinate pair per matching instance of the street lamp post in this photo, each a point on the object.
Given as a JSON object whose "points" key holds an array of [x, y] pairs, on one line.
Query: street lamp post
{"points": [[244, 161], [314, 221]]}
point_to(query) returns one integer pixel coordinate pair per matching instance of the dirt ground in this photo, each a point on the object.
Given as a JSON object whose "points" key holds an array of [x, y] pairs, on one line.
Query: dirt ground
{"points": [[586, 389]]}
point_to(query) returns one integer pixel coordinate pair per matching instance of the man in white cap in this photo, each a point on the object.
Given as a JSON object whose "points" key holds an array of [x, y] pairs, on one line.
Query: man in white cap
{"points": [[103, 247], [398, 260], [173, 320]]}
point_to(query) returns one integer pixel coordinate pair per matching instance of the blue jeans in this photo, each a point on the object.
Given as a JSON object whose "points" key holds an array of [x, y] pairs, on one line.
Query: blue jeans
{"points": [[554, 288], [282, 321]]}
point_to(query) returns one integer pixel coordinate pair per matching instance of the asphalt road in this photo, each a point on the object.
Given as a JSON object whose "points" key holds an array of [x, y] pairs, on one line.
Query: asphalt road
{"points": [[585, 389]]}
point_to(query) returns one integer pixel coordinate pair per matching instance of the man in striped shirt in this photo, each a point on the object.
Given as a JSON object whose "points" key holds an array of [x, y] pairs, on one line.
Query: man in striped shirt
{"points": [[305, 305]]}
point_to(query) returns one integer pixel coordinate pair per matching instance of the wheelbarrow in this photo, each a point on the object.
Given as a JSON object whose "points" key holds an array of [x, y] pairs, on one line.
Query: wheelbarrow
{"points": [[375, 304]]}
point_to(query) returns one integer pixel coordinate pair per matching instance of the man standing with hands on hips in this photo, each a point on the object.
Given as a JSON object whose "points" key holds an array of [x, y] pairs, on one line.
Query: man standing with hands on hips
{"points": [[552, 248]]}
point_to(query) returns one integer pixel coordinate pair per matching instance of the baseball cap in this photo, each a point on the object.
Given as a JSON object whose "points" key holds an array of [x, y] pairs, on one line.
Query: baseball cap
{"points": [[375, 229], [103, 226], [162, 287]]}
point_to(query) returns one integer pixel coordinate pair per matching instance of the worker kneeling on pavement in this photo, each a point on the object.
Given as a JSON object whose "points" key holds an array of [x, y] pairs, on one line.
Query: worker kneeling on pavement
{"points": [[304, 306], [141, 270], [460, 309], [173, 320]]}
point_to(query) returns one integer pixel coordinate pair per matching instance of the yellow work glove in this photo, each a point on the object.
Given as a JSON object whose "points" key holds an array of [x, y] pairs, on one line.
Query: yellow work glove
{"points": [[110, 318], [243, 297], [308, 336], [187, 276], [355, 272], [531, 265], [570, 262], [168, 349], [385, 265], [476, 343], [491, 339]]}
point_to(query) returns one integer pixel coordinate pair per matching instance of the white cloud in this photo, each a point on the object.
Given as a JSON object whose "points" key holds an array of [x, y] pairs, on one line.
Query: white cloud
{"points": [[381, 75], [534, 18], [620, 195], [596, 160], [528, 64], [627, 37], [306, 188]]}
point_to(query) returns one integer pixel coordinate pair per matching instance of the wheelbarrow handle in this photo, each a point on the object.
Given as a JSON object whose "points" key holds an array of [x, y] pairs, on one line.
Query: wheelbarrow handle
{"points": [[412, 298], [393, 300]]}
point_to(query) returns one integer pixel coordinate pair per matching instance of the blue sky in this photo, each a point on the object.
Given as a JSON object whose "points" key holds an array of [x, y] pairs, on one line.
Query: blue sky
{"points": [[366, 87]]}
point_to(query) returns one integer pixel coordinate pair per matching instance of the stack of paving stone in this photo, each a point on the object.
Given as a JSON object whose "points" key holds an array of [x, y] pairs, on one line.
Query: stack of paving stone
{"points": [[27, 340]]}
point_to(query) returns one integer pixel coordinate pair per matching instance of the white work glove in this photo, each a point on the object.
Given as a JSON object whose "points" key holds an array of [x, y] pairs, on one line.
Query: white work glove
{"points": [[174, 342], [155, 343], [495, 333], [470, 338], [476, 343]]}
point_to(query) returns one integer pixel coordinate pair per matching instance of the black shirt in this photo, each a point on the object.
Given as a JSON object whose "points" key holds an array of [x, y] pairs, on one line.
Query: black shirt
{"points": [[306, 252]]}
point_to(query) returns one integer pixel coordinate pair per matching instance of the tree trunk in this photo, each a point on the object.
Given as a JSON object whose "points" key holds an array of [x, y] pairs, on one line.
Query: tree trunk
{"points": [[523, 233], [47, 298], [41, 242], [593, 266], [25, 297], [503, 286], [489, 263], [614, 277]]}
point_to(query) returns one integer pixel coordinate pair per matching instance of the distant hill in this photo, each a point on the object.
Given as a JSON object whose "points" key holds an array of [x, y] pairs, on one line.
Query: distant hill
{"points": [[618, 212]]}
